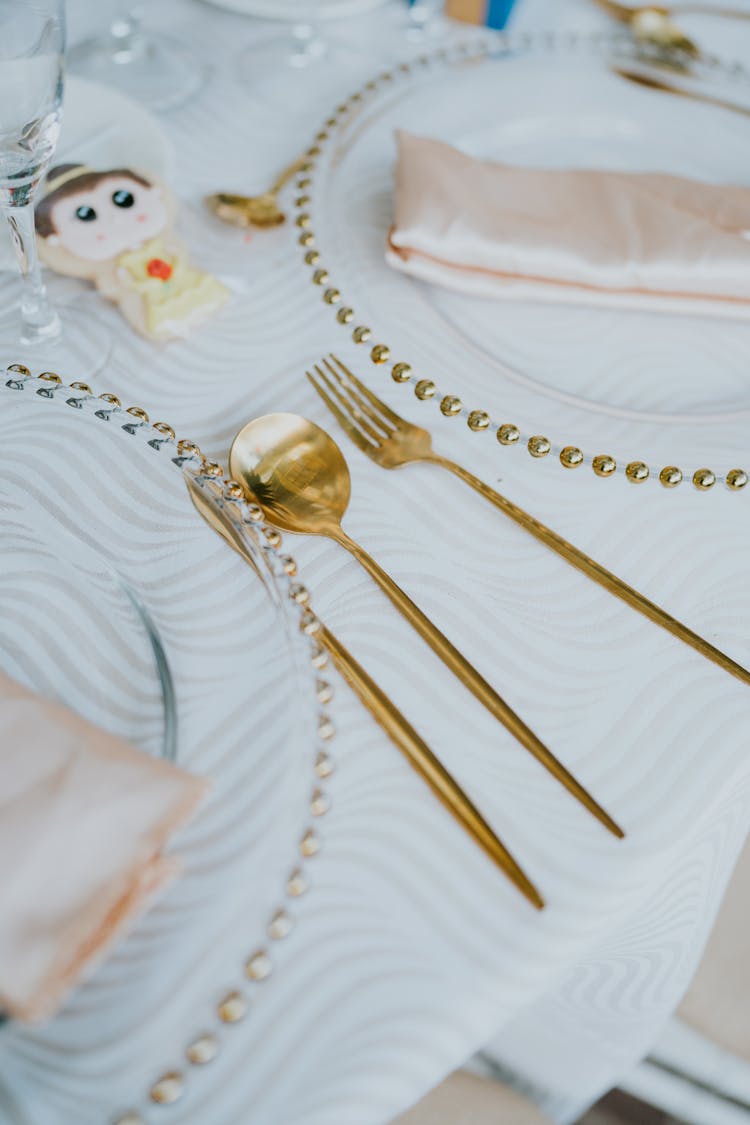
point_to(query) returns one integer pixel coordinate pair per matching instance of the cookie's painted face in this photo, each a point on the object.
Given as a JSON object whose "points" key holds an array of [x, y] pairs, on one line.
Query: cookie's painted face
{"points": [[115, 215]]}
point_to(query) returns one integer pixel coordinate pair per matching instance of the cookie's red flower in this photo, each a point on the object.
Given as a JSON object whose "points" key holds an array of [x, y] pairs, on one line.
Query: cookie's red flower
{"points": [[157, 267]]}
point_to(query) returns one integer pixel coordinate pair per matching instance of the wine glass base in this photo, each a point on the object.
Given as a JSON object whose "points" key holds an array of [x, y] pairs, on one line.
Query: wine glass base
{"points": [[79, 351], [155, 69], [282, 72]]}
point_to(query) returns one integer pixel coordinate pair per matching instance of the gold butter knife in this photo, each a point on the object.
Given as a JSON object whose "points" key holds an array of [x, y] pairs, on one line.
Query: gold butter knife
{"points": [[389, 718], [651, 82]]}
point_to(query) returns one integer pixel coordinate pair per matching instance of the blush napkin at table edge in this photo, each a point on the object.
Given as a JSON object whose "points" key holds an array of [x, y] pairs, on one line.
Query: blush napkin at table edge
{"points": [[623, 239], [83, 821]]}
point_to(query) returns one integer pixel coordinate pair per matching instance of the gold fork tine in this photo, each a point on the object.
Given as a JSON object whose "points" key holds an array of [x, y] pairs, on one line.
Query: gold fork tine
{"points": [[345, 422], [375, 416], [380, 406], [361, 418]]}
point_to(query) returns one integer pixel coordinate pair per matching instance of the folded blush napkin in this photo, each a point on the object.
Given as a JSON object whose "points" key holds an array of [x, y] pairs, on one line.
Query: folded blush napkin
{"points": [[641, 240], [83, 821]]}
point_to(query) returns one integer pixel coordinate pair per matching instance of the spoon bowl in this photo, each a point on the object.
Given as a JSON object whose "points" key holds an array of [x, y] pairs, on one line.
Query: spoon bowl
{"points": [[294, 470]]}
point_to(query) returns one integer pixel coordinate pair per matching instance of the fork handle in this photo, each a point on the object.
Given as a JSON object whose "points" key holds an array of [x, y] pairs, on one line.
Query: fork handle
{"points": [[595, 570], [471, 678]]}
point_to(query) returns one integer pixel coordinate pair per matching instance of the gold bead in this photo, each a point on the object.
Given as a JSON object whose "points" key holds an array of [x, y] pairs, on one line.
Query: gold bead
{"points": [[508, 434], [232, 1008], [345, 315], [670, 476], [478, 420], [326, 729], [401, 372], [361, 335], [304, 182], [18, 369], [233, 490], [163, 428], [538, 446], [736, 479], [321, 136], [82, 387], [302, 201], [331, 296], [259, 966], [704, 479], [425, 389], [323, 692], [254, 512], [637, 471], [314, 150], [280, 925], [168, 1089], [113, 400], [380, 353], [570, 457], [331, 123], [319, 803], [188, 448], [319, 658], [273, 537], [51, 377], [296, 884], [299, 594], [289, 566], [309, 623], [304, 220], [307, 166], [307, 238], [309, 844], [312, 257], [202, 1050], [320, 277], [450, 406], [323, 764], [604, 465], [371, 85], [212, 469]]}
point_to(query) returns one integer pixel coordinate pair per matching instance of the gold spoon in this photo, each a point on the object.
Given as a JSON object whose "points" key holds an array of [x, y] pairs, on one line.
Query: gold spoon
{"points": [[653, 83], [253, 210], [386, 714], [298, 476], [651, 23]]}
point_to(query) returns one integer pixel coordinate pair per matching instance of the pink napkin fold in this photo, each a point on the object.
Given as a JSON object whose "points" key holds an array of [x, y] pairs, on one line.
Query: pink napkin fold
{"points": [[83, 821], [639, 240]]}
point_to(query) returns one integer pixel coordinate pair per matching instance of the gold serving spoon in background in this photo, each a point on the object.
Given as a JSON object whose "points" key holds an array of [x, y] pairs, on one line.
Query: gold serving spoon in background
{"points": [[253, 210], [298, 476], [651, 23]]}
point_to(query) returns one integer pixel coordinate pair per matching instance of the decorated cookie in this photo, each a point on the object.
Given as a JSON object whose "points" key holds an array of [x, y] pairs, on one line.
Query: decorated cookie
{"points": [[115, 228]]}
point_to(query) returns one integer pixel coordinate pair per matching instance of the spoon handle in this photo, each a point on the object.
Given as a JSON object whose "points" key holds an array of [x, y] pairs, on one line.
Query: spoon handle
{"points": [[472, 679]]}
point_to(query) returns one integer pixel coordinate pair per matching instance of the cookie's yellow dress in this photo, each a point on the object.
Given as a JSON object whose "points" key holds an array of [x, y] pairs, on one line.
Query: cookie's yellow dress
{"points": [[175, 294]]}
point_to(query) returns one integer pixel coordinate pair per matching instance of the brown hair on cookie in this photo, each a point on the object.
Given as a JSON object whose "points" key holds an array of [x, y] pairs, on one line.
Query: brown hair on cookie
{"points": [[43, 219]]}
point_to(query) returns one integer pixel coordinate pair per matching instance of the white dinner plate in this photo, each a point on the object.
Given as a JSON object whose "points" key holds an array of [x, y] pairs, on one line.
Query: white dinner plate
{"points": [[105, 129], [93, 503], [302, 10], [668, 388]]}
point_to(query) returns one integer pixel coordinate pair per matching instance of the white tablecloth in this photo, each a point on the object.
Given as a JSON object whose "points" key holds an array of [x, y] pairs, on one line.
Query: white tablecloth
{"points": [[411, 952]]}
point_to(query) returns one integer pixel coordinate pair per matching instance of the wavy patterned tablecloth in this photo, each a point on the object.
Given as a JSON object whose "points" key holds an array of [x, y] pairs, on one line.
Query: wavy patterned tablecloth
{"points": [[412, 952]]}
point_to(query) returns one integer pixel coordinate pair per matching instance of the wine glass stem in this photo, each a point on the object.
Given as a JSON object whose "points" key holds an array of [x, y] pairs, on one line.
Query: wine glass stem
{"points": [[125, 31], [39, 321]]}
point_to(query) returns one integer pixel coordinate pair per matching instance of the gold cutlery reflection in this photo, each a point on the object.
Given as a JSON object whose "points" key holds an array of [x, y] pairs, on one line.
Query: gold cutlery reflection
{"points": [[651, 24], [390, 441], [253, 210], [387, 715], [298, 476], [651, 82]]}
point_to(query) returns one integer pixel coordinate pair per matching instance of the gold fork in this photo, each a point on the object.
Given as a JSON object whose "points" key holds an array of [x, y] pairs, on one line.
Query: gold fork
{"points": [[390, 441]]}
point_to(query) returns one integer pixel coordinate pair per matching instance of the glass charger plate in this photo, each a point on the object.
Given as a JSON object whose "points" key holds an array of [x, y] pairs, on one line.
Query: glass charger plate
{"points": [[104, 563], [669, 387]]}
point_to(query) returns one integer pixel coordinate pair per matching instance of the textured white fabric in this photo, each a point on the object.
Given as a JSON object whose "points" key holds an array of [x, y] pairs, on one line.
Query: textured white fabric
{"points": [[411, 951]]}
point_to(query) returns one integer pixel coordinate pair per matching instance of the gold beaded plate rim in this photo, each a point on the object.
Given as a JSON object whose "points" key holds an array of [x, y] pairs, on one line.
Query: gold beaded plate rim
{"points": [[235, 994], [569, 455]]}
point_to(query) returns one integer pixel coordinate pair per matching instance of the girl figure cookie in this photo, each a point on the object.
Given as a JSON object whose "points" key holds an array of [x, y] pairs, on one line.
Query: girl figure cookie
{"points": [[115, 228]]}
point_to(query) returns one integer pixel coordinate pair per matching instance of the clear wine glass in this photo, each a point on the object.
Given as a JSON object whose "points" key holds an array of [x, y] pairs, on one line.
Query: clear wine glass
{"points": [[279, 70], [156, 69], [32, 42]]}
